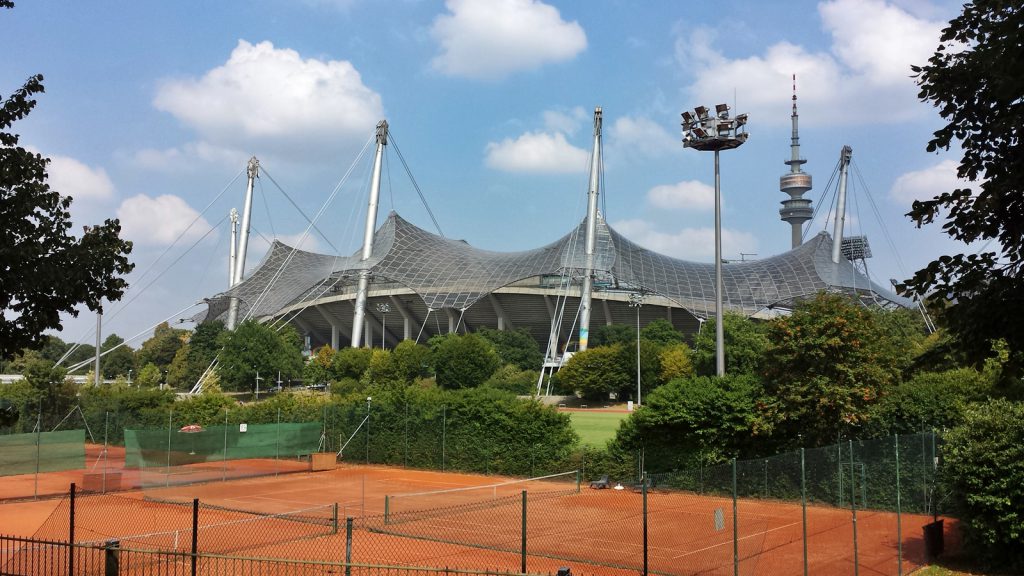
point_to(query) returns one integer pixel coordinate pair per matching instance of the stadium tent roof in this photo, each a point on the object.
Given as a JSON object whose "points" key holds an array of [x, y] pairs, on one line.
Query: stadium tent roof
{"points": [[451, 274]]}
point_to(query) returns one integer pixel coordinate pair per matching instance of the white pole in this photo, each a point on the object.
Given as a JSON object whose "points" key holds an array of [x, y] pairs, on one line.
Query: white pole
{"points": [[243, 239], [837, 236], [719, 327], [359, 316], [591, 245], [99, 325]]}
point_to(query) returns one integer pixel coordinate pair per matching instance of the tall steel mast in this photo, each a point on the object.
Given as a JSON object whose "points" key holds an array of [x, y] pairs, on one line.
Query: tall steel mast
{"points": [[591, 246], [359, 317], [837, 235], [243, 240]]}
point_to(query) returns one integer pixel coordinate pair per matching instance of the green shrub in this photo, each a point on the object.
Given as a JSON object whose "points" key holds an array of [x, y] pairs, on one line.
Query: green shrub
{"points": [[983, 475]]}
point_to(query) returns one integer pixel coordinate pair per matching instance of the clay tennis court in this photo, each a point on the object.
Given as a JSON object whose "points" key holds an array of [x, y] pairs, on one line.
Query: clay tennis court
{"points": [[592, 531]]}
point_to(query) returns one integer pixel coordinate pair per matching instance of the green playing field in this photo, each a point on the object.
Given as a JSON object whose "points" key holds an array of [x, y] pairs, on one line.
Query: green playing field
{"points": [[597, 428]]}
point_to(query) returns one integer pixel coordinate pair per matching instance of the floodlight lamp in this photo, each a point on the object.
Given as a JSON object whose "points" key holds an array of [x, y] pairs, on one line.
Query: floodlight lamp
{"points": [[687, 118], [699, 132], [741, 119], [722, 110], [701, 111]]}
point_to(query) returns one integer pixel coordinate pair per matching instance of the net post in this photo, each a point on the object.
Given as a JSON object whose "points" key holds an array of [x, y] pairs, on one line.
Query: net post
{"points": [[523, 567], [348, 546], [334, 519], [803, 503], [853, 509], [71, 531], [735, 526], [195, 533], [899, 512], [387, 508]]}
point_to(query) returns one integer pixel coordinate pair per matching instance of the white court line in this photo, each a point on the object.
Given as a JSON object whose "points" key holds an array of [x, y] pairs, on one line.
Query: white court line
{"points": [[729, 541]]}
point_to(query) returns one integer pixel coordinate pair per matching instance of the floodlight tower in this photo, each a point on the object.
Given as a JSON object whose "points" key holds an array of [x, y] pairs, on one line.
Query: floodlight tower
{"points": [[359, 315], [704, 132], [586, 292], [253, 172], [797, 209]]}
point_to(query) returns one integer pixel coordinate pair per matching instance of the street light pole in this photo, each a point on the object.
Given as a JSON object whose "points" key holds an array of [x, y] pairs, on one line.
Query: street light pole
{"points": [[636, 300], [383, 308], [704, 132]]}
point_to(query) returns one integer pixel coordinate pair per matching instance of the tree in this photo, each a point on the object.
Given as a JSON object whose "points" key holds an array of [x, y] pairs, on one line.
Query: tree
{"points": [[826, 364], [256, 348], [44, 270], [745, 343], [597, 371], [675, 362], [351, 362], [608, 334], [516, 347], [973, 79], [928, 401], [412, 360], [161, 348], [983, 475], [118, 362], [463, 361], [661, 332]]}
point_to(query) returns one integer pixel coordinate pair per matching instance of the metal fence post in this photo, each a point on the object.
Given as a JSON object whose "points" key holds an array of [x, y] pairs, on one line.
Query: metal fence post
{"points": [[71, 532], [348, 546], [899, 520], [643, 488], [387, 509], [167, 471], [111, 558], [523, 564], [224, 460], [106, 425], [334, 519], [803, 503], [195, 533], [735, 526], [853, 508]]}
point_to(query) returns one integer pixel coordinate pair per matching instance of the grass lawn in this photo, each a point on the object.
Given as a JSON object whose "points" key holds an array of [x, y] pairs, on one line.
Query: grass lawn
{"points": [[597, 428]]}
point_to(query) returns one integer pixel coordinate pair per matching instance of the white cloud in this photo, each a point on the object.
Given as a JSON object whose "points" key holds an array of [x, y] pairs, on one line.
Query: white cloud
{"points": [[159, 221], [179, 157], [864, 77], [927, 183], [537, 152], [494, 38], [696, 244], [565, 121], [686, 195], [630, 134], [273, 98], [73, 178]]}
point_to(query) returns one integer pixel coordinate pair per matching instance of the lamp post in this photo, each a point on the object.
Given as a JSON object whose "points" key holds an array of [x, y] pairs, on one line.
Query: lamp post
{"points": [[636, 300], [129, 377], [704, 132], [383, 308]]}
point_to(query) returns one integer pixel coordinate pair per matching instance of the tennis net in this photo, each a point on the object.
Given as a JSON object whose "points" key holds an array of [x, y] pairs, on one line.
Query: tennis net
{"points": [[399, 508]]}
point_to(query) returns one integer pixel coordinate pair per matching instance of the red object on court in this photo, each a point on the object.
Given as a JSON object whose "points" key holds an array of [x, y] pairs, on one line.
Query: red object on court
{"points": [[191, 429]]}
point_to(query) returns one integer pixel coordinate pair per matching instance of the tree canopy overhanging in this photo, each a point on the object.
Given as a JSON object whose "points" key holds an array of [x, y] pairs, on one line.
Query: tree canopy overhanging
{"points": [[974, 81], [44, 270]]}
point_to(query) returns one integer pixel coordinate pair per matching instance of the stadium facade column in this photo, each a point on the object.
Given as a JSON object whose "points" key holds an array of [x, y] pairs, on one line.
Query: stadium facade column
{"points": [[359, 317], [591, 245]]}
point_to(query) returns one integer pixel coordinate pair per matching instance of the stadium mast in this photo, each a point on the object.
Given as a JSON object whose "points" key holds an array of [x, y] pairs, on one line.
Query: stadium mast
{"points": [[243, 240], [837, 236], [359, 318], [591, 247]]}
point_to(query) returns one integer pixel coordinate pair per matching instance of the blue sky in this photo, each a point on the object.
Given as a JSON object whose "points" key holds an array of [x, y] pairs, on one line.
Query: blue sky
{"points": [[152, 110]]}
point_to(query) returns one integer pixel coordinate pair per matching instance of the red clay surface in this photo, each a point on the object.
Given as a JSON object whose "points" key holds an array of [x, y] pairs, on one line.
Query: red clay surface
{"points": [[594, 532]]}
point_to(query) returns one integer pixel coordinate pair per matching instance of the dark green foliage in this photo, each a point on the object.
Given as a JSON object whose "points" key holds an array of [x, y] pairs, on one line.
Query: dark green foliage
{"points": [[351, 362], [983, 475], [463, 361], [608, 334], [974, 82], [161, 348], [252, 348], [597, 371], [44, 270], [828, 362], [411, 360], [661, 332], [318, 369], [650, 368], [693, 421], [118, 362], [514, 380], [516, 347], [745, 343], [928, 401]]}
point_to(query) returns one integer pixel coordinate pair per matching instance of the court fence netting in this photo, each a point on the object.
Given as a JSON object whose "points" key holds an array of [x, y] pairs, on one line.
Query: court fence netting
{"points": [[859, 506]]}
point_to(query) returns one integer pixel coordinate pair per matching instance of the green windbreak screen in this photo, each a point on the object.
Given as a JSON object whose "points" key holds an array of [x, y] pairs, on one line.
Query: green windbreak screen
{"points": [[189, 445], [63, 450]]}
